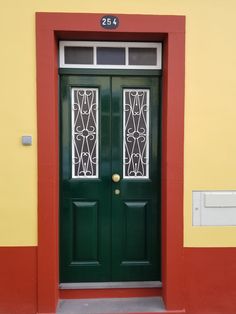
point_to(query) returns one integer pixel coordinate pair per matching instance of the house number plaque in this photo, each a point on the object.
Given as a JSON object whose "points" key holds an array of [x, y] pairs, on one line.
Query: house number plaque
{"points": [[109, 22]]}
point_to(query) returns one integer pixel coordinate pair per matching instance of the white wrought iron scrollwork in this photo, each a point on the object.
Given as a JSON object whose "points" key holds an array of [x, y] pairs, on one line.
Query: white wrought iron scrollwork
{"points": [[84, 132], [136, 133]]}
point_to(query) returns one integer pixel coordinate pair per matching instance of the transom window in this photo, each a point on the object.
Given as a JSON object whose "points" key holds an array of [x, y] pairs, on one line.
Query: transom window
{"points": [[112, 55]]}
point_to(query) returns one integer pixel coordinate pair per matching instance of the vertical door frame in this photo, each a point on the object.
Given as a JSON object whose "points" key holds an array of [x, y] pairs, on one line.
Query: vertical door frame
{"points": [[51, 27]]}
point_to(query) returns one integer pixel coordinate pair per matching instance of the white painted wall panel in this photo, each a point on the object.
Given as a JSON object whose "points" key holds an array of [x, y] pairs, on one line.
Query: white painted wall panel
{"points": [[220, 199], [214, 208]]}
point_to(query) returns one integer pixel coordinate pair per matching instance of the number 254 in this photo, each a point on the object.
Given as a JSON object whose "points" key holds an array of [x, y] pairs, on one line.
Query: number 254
{"points": [[109, 21]]}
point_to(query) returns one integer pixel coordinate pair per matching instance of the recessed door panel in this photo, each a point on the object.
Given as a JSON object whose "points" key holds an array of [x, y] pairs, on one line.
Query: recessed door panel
{"points": [[135, 230], [85, 232], [110, 179]]}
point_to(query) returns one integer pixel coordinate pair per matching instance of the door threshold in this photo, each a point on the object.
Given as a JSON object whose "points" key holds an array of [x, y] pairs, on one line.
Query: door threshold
{"points": [[149, 305], [110, 306], [111, 285]]}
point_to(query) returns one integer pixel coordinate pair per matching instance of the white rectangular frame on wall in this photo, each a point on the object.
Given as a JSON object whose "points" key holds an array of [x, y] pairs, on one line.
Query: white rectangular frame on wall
{"points": [[102, 44]]}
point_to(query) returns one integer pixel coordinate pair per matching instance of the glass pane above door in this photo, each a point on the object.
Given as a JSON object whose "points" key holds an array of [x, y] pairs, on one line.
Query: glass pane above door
{"points": [[109, 55], [79, 55], [142, 56]]}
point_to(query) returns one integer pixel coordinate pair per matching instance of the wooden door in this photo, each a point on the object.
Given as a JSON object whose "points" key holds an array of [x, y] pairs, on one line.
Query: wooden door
{"points": [[110, 179]]}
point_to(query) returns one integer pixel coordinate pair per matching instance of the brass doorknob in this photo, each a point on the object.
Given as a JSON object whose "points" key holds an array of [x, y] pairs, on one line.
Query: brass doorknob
{"points": [[115, 177]]}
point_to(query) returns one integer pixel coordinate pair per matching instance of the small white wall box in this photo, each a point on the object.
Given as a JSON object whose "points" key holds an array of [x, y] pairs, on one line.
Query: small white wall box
{"points": [[214, 208], [26, 140]]}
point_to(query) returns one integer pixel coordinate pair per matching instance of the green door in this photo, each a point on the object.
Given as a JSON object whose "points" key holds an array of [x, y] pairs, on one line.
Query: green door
{"points": [[110, 178]]}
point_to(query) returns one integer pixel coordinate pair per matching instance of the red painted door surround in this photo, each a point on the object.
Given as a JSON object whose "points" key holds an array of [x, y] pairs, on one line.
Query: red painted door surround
{"points": [[51, 27]]}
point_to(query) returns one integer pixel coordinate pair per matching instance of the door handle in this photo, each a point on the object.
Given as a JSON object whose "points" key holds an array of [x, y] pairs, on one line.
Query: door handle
{"points": [[115, 177]]}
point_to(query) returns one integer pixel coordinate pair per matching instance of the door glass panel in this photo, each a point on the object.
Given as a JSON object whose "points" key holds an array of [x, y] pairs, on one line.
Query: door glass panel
{"points": [[111, 56], [78, 55], [84, 132], [136, 133], [142, 56]]}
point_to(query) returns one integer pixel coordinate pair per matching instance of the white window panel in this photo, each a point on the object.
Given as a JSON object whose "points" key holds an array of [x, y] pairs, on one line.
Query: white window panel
{"points": [[136, 133], [91, 64], [214, 208], [84, 122]]}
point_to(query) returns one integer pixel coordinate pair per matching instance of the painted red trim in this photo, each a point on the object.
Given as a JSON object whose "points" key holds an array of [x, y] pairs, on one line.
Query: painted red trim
{"points": [[108, 293], [18, 280], [48, 174], [172, 170], [171, 29]]}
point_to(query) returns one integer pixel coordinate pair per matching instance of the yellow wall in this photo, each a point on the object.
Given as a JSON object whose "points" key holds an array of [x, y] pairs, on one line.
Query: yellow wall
{"points": [[210, 128]]}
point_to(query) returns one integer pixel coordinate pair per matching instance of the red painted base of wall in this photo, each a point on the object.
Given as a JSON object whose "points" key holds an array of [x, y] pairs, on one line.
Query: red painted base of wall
{"points": [[18, 280], [108, 293], [209, 280]]}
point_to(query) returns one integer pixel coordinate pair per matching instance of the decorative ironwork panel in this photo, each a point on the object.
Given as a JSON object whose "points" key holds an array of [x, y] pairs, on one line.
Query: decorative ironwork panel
{"points": [[84, 132], [136, 133]]}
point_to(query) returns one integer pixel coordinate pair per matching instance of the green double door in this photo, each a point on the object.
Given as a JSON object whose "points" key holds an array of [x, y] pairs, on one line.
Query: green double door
{"points": [[110, 178]]}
